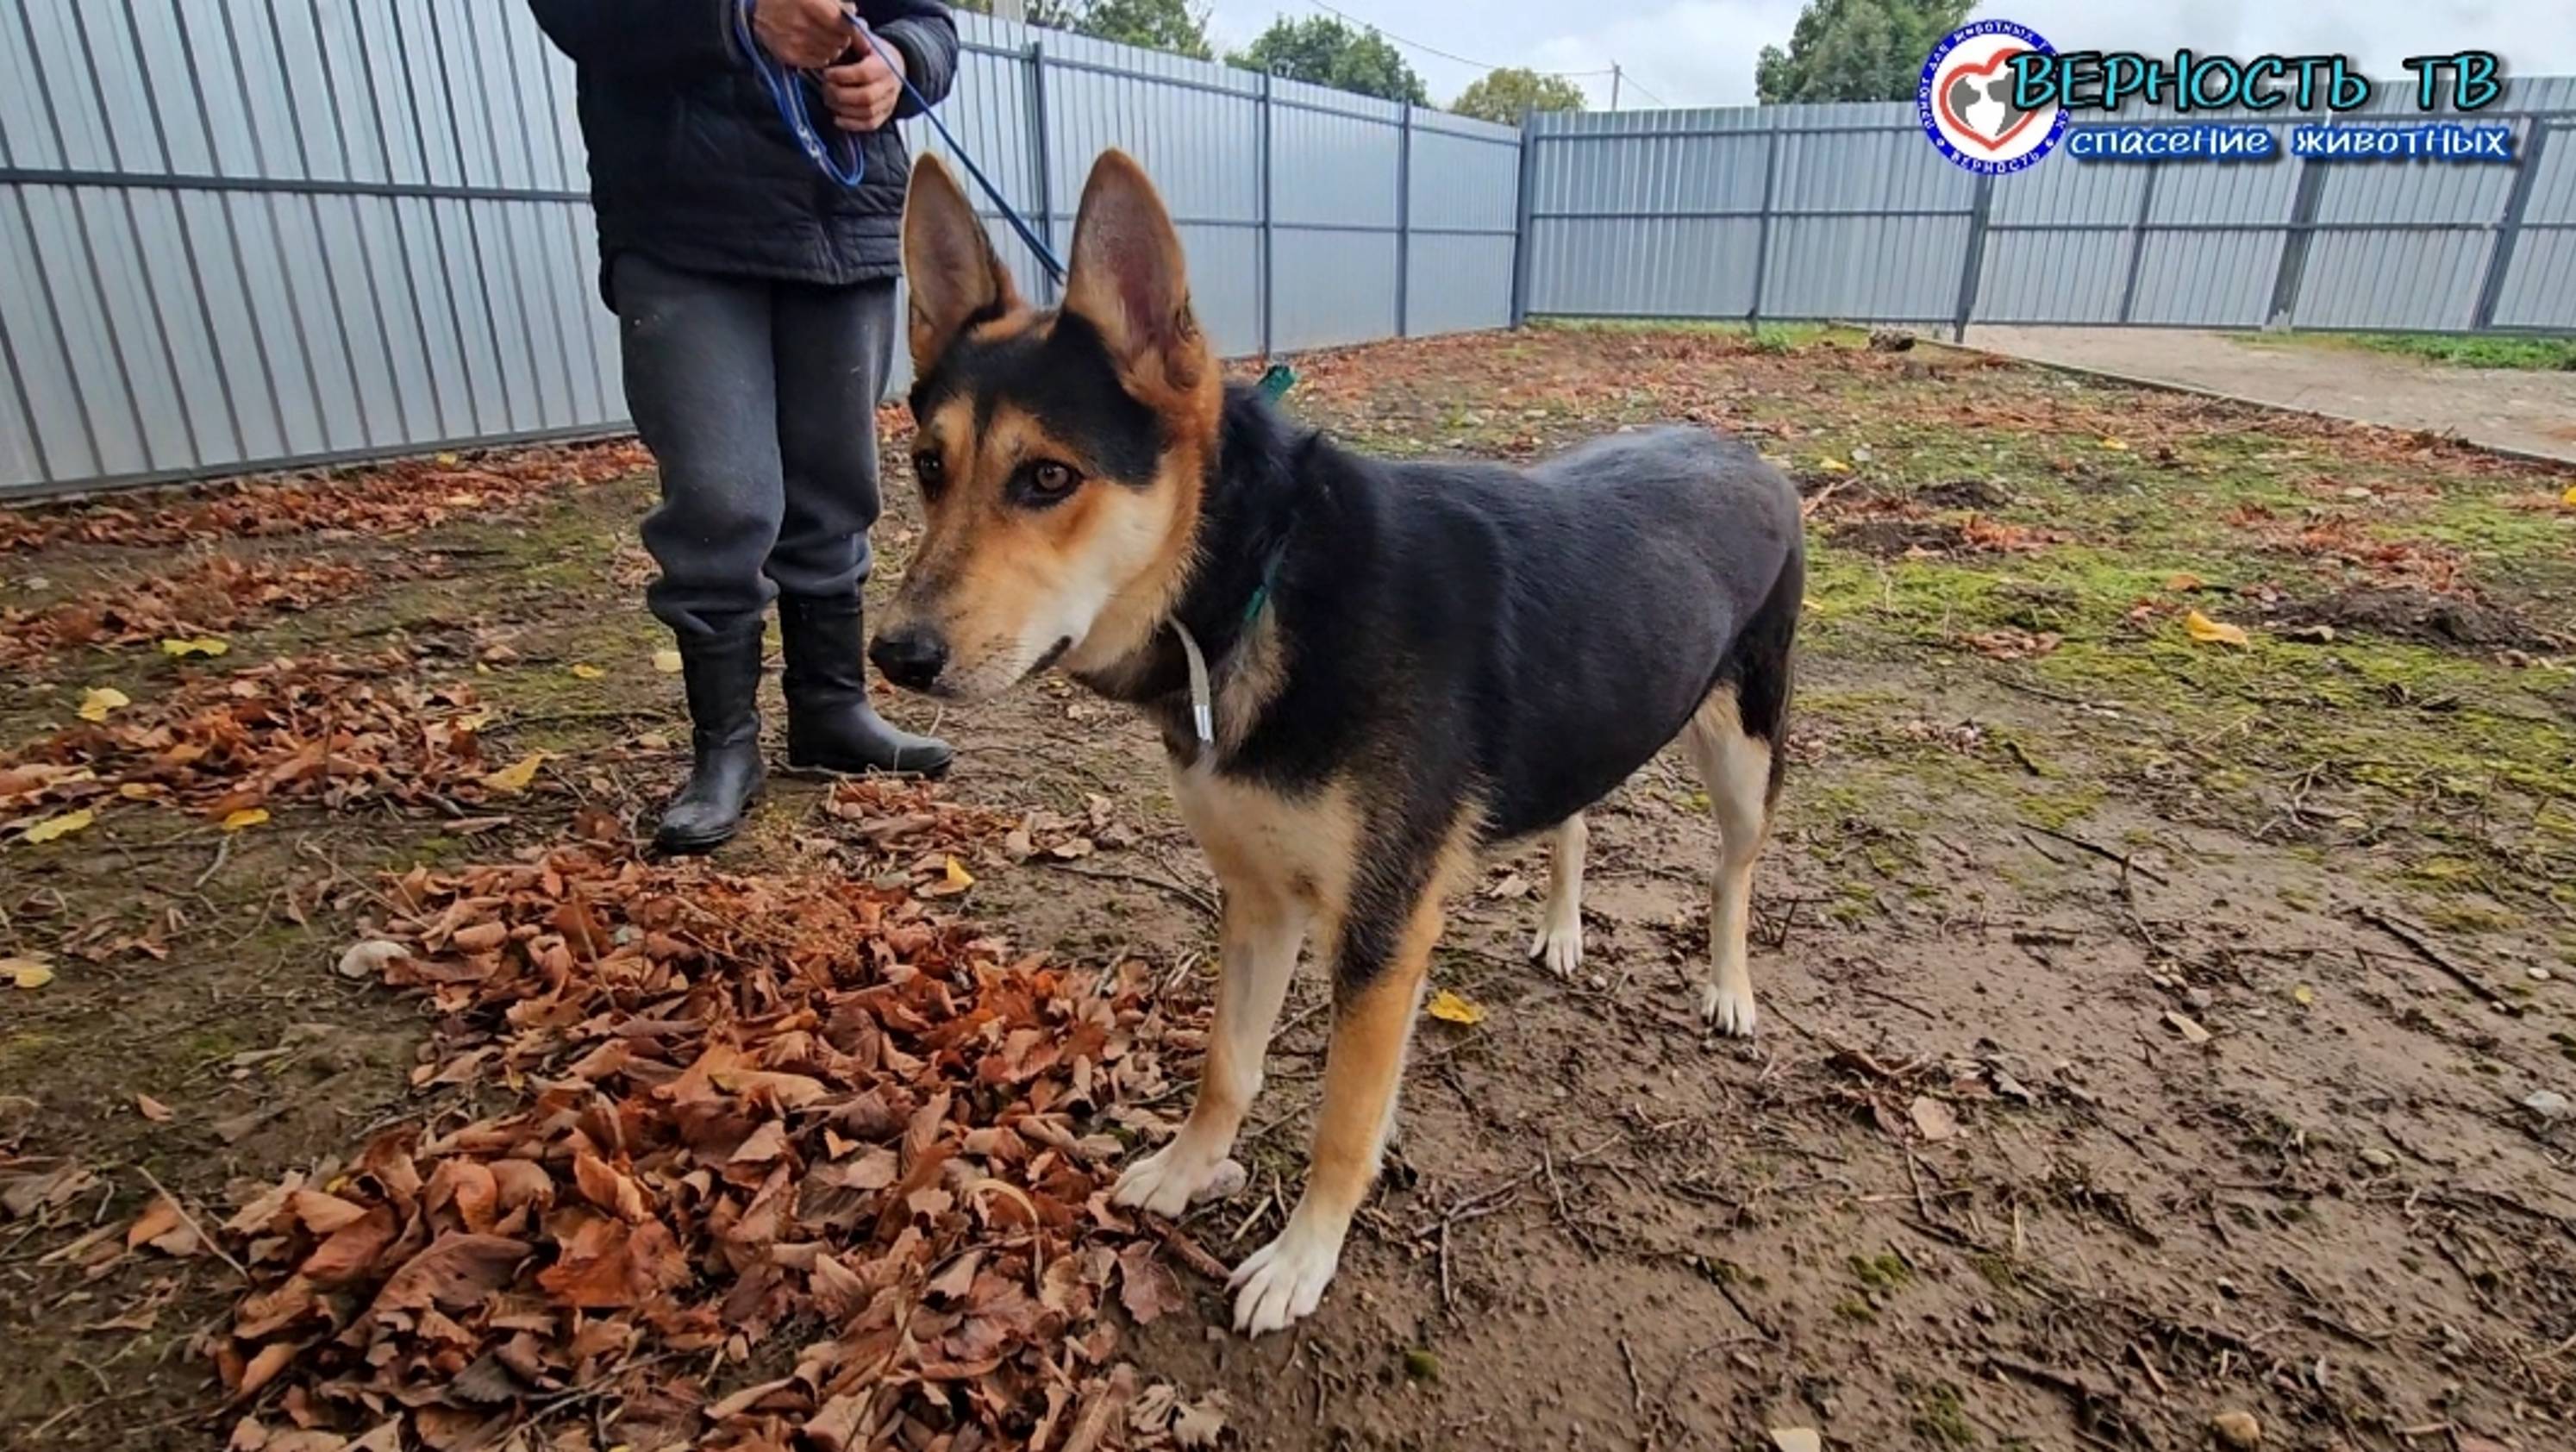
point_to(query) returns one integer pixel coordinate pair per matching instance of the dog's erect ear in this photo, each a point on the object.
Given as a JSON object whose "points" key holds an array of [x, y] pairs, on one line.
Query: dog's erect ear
{"points": [[1129, 281], [949, 260]]}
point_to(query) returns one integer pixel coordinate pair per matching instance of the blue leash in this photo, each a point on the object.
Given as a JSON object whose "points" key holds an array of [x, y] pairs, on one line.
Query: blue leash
{"points": [[785, 86]]}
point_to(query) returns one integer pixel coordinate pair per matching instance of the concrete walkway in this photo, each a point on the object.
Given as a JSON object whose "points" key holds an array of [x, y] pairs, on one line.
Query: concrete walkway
{"points": [[2505, 408]]}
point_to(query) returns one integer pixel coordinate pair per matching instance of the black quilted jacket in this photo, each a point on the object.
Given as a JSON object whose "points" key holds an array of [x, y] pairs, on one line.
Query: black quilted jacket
{"points": [[689, 163]]}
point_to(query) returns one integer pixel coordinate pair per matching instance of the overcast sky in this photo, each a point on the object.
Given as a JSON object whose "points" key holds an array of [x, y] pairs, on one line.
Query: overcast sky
{"points": [[1701, 52]]}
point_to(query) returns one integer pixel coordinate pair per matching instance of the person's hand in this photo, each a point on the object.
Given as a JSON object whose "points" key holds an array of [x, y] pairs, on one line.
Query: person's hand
{"points": [[807, 34], [862, 94]]}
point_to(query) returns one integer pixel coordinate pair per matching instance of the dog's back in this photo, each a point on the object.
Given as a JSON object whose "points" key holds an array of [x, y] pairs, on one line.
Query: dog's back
{"points": [[1558, 625]]}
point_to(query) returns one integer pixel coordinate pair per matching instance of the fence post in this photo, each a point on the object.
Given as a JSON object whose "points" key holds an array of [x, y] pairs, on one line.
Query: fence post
{"points": [[1269, 273], [1762, 233], [2500, 261], [1403, 218], [1972, 265], [2138, 241], [1523, 232], [2294, 246], [1042, 165]]}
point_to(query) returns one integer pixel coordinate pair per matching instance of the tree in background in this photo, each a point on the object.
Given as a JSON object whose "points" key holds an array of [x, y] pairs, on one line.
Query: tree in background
{"points": [[1326, 52], [1508, 94], [1155, 24], [1856, 50]]}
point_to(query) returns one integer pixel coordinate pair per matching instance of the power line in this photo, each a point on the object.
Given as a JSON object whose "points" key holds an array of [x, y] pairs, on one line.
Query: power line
{"points": [[1444, 55], [1635, 84]]}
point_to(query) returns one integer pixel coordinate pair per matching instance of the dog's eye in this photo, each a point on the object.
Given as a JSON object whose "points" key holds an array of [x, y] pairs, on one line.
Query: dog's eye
{"points": [[1051, 477], [929, 468]]}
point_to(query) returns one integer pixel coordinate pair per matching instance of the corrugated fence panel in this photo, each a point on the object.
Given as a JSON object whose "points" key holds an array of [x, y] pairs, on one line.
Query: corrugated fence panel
{"points": [[2539, 288], [1866, 226], [1335, 162], [1464, 180], [244, 233], [1663, 214], [251, 233]]}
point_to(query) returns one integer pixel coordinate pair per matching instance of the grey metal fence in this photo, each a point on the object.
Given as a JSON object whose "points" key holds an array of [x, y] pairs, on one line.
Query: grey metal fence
{"points": [[245, 234], [1843, 212]]}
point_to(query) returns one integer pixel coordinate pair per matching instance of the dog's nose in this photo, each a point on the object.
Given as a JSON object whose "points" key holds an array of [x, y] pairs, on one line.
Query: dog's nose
{"points": [[912, 656]]}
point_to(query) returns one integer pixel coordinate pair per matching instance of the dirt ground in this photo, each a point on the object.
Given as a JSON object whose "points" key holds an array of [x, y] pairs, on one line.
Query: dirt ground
{"points": [[2502, 407], [2162, 1024]]}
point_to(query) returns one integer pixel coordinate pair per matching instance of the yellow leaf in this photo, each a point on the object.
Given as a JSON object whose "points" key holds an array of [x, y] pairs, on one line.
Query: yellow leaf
{"points": [[667, 662], [2214, 632], [447, 460], [2184, 581], [2304, 995], [958, 876], [1833, 466], [2569, 498], [101, 700], [513, 779], [587, 672], [134, 791], [2115, 446], [62, 826], [201, 645], [246, 817], [1450, 1008], [473, 720], [26, 972]]}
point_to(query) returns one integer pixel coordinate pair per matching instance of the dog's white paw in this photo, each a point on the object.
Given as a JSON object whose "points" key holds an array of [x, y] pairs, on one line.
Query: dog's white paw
{"points": [[1281, 1282], [1560, 947], [1728, 1008], [1170, 1179]]}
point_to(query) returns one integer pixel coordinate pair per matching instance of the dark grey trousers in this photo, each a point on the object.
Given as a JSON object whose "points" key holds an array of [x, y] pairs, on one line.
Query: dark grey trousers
{"points": [[758, 400]]}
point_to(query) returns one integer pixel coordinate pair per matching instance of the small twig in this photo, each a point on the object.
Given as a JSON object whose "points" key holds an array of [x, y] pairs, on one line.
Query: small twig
{"points": [[1556, 1192], [2124, 860], [1636, 1387], [2148, 1366], [2089, 1396], [1182, 892], [2430, 954], [1909, 1005], [203, 1238], [223, 854], [1190, 1251], [1745, 1311]]}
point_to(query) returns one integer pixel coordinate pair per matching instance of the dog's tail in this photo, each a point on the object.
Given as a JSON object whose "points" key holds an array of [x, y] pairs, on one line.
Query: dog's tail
{"points": [[1760, 666]]}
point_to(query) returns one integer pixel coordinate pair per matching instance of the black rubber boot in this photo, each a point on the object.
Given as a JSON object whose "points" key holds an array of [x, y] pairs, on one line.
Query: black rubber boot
{"points": [[831, 727], [722, 674]]}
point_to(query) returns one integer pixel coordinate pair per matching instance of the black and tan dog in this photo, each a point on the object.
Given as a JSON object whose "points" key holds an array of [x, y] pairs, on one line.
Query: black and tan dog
{"points": [[1364, 672]]}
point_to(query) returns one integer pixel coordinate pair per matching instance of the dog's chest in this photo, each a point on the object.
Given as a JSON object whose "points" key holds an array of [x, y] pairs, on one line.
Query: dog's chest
{"points": [[1257, 839]]}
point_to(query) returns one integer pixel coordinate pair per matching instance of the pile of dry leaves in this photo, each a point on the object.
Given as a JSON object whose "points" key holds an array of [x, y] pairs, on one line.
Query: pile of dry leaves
{"points": [[401, 497], [781, 1162], [331, 730]]}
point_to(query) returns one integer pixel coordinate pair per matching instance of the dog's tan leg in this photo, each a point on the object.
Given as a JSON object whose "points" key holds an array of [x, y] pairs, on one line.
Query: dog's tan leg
{"points": [[1372, 1026], [1559, 943], [1737, 769], [1263, 930]]}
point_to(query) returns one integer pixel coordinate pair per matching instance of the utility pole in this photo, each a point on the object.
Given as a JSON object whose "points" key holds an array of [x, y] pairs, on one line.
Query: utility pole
{"points": [[1614, 85]]}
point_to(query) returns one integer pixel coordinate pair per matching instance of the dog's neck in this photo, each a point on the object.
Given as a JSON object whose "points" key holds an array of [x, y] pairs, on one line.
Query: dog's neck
{"points": [[1246, 540]]}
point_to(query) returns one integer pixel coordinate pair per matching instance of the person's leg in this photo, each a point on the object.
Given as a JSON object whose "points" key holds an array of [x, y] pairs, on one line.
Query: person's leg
{"points": [[832, 348], [698, 361]]}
